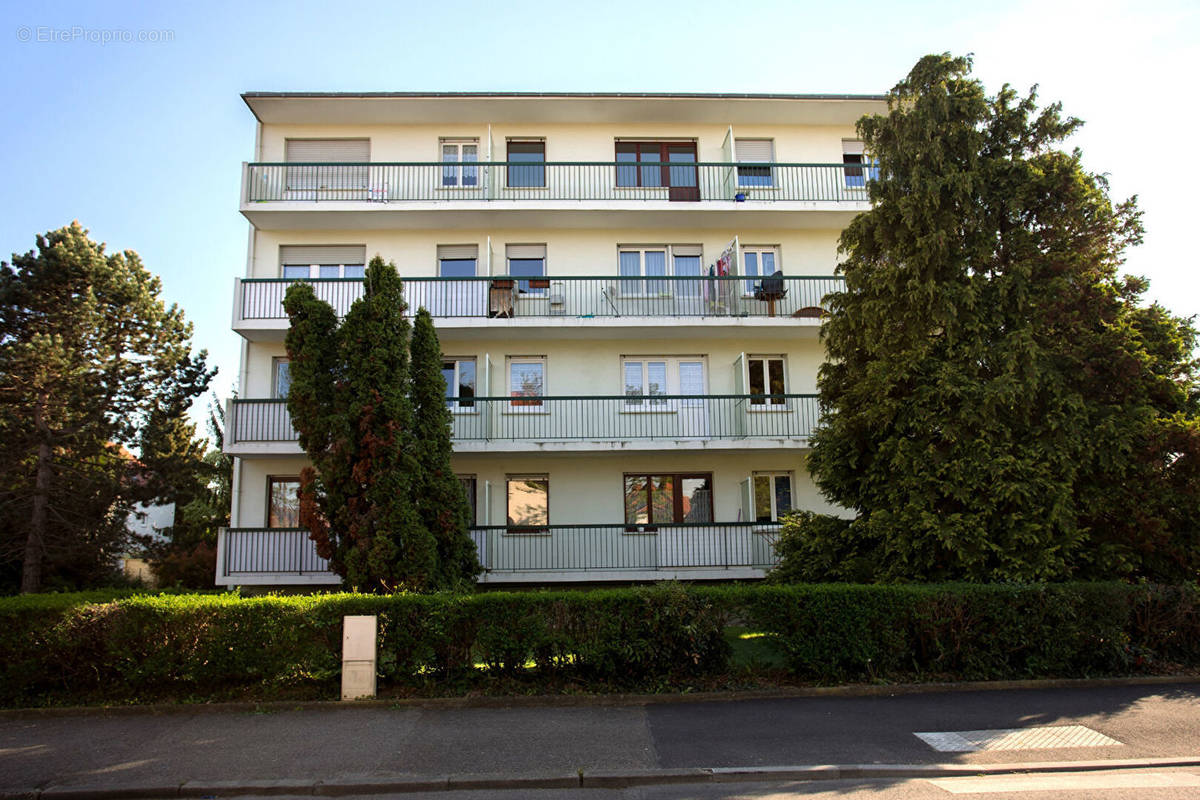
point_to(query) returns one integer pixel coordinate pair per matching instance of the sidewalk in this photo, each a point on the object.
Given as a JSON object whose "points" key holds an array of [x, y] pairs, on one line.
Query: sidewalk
{"points": [[338, 750]]}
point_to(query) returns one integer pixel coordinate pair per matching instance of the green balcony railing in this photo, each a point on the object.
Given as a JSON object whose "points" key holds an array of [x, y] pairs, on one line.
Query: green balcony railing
{"points": [[554, 181], [612, 547], [609, 418], [507, 297]]}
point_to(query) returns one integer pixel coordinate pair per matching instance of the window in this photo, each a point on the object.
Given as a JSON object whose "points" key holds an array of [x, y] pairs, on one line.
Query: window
{"points": [[772, 495], [662, 499], [460, 382], [527, 163], [319, 166], [283, 502], [457, 260], [766, 380], [527, 381], [855, 159], [648, 377], [281, 378], [644, 378], [528, 261], [469, 484], [323, 261], [459, 157], [758, 262], [650, 262], [528, 501], [653, 164], [755, 151]]}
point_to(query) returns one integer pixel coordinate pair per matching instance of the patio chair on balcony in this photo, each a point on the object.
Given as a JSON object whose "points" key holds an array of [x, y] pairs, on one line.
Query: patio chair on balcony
{"points": [[771, 289]]}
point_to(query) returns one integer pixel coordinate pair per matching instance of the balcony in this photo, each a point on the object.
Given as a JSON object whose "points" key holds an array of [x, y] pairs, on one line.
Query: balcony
{"points": [[550, 424], [550, 194], [568, 302], [556, 553]]}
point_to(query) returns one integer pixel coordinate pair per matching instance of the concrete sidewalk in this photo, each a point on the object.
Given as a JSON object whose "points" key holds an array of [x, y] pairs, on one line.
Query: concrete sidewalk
{"points": [[348, 750]]}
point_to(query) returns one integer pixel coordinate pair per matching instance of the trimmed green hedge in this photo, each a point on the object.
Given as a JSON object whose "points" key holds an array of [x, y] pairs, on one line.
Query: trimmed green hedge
{"points": [[73, 648]]}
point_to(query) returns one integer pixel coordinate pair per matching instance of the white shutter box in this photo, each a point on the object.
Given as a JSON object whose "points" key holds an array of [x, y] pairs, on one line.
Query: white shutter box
{"points": [[755, 151], [525, 251], [457, 251], [322, 150], [686, 250], [322, 254]]}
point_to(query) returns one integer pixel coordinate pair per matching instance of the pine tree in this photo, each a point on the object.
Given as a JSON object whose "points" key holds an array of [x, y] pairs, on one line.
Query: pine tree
{"points": [[981, 339], [441, 501], [91, 361], [349, 402]]}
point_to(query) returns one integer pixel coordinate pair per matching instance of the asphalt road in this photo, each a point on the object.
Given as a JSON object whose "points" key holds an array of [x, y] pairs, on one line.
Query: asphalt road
{"points": [[163, 749]]}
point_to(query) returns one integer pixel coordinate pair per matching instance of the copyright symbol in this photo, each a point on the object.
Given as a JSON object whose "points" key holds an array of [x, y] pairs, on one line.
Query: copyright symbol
{"points": [[24, 34]]}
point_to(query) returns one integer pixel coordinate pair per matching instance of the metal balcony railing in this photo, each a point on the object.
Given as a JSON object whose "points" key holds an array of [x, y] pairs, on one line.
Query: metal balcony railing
{"points": [[553, 548], [554, 181], [505, 297], [605, 418]]}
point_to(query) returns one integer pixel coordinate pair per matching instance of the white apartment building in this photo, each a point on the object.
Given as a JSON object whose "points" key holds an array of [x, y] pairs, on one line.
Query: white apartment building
{"points": [[627, 289]]}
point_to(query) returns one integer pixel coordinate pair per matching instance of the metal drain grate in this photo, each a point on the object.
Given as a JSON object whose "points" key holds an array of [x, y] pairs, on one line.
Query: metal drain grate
{"points": [[1015, 739]]}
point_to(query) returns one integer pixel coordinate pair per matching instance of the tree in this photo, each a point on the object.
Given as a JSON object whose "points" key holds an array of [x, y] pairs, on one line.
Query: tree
{"points": [[90, 361], [349, 401], [440, 499], [990, 380]]}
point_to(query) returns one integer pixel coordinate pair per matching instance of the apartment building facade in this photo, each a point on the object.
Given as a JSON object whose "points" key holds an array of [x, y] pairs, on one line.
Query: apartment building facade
{"points": [[627, 289]]}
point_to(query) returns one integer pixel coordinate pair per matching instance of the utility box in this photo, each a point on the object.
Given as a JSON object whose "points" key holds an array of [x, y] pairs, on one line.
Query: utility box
{"points": [[358, 657]]}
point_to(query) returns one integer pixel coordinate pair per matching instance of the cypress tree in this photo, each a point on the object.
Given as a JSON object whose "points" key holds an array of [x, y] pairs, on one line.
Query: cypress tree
{"points": [[440, 499], [349, 401]]}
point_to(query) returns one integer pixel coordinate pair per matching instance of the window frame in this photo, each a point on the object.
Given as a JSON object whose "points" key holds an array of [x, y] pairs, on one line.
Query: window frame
{"points": [[269, 510], [536, 168], [461, 406], [664, 170], [535, 403], [759, 402], [866, 167], [645, 281], [537, 529], [458, 168], [759, 250], [472, 495], [758, 172], [677, 513], [772, 476], [276, 363], [524, 285]]}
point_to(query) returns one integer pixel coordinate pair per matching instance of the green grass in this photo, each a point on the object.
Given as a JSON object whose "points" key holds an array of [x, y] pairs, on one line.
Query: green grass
{"points": [[753, 650]]}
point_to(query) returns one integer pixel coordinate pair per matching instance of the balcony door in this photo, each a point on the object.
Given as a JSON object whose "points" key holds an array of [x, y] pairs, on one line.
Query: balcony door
{"points": [[669, 165]]}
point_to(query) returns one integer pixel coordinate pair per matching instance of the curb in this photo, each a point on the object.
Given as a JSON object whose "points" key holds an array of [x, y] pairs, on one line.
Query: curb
{"points": [[608, 779], [593, 700]]}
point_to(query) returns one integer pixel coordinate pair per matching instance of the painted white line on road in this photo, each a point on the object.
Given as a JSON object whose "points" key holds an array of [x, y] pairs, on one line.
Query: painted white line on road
{"points": [[1043, 738], [1068, 781]]}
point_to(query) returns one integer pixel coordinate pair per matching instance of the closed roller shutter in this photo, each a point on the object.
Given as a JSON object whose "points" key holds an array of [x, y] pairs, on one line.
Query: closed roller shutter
{"points": [[304, 254], [525, 251], [755, 151], [686, 250], [455, 252], [322, 150]]}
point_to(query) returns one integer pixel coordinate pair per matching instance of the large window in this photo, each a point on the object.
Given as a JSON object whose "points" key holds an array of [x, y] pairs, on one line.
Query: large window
{"points": [[766, 380], [667, 498], [758, 262], [644, 378], [654, 164], [526, 381], [772, 495], [527, 163], [755, 151], [281, 378], [459, 158], [647, 378], [283, 502], [323, 261], [642, 268], [528, 261], [528, 501], [460, 382], [457, 260]]}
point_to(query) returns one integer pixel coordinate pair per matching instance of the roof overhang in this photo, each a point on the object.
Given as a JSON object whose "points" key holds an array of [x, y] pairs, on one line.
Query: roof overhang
{"points": [[364, 108]]}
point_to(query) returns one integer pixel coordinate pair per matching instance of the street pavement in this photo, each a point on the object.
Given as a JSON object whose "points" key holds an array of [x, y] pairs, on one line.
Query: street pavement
{"points": [[623, 750]]}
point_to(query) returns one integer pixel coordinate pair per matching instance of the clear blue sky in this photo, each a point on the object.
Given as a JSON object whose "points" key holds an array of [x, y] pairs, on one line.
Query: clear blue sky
{"points": [[142, 142]]}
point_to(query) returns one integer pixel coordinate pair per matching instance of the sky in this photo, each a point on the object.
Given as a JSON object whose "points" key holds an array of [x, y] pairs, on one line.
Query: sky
{"points": [[127, 117]]}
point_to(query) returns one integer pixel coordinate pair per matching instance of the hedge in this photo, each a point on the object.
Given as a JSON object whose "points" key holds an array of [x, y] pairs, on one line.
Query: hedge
{"points": [[80, 648]]}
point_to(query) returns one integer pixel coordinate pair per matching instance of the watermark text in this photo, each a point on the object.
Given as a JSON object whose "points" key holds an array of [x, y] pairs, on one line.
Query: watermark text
{"points": [[75, 34]]}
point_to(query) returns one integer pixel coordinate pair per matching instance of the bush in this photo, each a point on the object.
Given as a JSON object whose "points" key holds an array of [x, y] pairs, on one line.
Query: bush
{"points": [[818, 548]]}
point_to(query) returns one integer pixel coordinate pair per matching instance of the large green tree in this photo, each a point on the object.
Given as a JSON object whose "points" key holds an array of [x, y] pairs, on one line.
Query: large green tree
{"points": [[991, 382], [91, 361], [440, 499], [349, 401]]}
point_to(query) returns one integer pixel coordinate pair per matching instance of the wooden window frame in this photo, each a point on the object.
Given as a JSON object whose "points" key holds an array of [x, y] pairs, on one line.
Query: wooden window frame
{"points": [[663, 159], [271, 481], [677, 501], [526, 530]]}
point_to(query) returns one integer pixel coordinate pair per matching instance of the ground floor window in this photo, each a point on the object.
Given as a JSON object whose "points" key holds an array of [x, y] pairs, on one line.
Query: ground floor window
{"points": [[772, 495], [528, 501], [667, 498], [283, 502]]}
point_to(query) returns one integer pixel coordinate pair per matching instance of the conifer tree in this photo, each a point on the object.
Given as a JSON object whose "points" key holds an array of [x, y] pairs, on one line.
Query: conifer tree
{"points": [[349, 402], [441, 502], [988, 375]]}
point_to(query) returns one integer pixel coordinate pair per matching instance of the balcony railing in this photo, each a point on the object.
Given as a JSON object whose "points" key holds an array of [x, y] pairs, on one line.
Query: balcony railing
{"points": [[554, 181], [569, 296], [554, 548], [606, 418]]}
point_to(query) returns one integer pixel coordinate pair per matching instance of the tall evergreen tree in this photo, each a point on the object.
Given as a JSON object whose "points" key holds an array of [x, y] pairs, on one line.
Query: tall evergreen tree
{"points": [[441, 501], [91, 360], [981, 338], [349, 401]]}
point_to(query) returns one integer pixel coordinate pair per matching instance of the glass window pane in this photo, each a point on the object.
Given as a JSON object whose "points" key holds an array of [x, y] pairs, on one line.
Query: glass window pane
{"points": [[470, 174], [521, 154], [631, 264], [682, 176], [525, 268], [284, 508], [626, 154], [637, 510], [466, 380], [662, 498], [468, 485], [650, 153], [525, 380], [456, 268], [656, 265], [758, 384], [528, 501], [775, 374], [750, 267], [449, 156], [283, 378], [762, 498], [656, 377], [329, 271], [295, 271], [768, 262], [448, 377], [354, 271], [783, 495], [697, 500], [633, 381], [687, 267]]}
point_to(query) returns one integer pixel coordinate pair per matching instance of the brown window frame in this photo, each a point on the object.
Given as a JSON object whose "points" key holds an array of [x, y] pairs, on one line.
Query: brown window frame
{"points": [[677, 505], [271, 481], [663, 158]]}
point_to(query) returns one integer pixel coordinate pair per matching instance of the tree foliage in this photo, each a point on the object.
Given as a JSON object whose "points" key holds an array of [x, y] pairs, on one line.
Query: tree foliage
{"points": [[999, 404], [351, 399], [91, 361]]}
